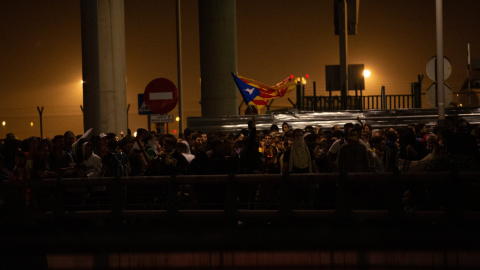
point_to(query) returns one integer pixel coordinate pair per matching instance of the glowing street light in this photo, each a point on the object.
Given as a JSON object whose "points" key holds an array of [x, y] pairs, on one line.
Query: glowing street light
{"points": [[4, 123], [302, 80], [366, 73]]}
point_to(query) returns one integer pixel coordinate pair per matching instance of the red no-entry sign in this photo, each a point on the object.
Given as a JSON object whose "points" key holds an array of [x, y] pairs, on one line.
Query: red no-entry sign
{"points": [[161, 96]]}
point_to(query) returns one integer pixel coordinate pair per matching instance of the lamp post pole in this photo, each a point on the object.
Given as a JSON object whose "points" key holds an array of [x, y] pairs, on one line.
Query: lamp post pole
{"points": [[40, 112], [440, 63]]}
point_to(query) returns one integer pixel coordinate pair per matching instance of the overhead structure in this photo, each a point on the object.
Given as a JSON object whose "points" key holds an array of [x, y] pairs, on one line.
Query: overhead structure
{"points": [[103, 66], [218, 57]]}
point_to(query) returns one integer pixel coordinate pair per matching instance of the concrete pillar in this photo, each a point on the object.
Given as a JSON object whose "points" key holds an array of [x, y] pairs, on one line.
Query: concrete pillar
{"points": [[103, 66], [218, 57]]}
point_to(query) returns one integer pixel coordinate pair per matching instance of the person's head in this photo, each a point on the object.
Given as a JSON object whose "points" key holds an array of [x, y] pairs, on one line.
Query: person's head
{"points": [[277, 141], [193, 138], [103, 139], [420, 128], [69, 139], [378, 142], [391, 136], [182, 147], [274, 128], [44, 149], [204, 137], [352, 136], [411, 127], [347, 127], [141, 133], [199, 139], [268, 139], [297, 134], [367, 128], [358, 128], [335, 128], [462, 126], [239, 137], [376, 132], [128, 143], [112, 145], [10, 136], [58, 142], [187, 132], [87, 148], [32, 144], [170, 144], [111, 135], [285, 127], [309, 129]]}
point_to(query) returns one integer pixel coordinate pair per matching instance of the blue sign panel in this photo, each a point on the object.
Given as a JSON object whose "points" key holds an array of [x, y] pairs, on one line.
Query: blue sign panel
{"points": [[142, 107]]}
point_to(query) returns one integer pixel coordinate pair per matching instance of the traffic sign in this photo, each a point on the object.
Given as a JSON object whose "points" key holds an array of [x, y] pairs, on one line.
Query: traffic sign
{"points": [[161, 96], [142, 107], [432, 95], [161, 118], [432, 68]]}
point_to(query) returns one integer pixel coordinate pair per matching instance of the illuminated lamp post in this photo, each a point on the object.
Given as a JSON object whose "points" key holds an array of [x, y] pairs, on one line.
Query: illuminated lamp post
{"points": [[366, 73], [3, 128], [300, 91]]}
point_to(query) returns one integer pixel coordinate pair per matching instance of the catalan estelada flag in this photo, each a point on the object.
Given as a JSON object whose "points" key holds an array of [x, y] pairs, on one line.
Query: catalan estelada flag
{"points": [[258, 94]]}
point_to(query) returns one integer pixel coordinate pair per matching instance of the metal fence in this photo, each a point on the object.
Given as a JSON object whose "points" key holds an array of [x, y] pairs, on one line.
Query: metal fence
{"points": [[236, 197], [375, 102]]}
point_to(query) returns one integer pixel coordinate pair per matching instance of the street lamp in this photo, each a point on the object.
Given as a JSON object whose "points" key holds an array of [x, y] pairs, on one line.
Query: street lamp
{"points": [[3, 125], [300, 91], [366, 73]]}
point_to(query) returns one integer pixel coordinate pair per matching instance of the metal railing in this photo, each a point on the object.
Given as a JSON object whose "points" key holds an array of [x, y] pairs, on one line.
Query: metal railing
{"points": [[375, 102], [357, 213], [235, 197]]}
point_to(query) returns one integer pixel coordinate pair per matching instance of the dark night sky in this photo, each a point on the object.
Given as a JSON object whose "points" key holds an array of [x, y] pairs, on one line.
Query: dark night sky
{"points": [[40, 51]]}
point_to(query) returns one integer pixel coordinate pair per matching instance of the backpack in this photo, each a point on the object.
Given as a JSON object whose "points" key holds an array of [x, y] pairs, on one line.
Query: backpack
{"points": [[117, 166]]}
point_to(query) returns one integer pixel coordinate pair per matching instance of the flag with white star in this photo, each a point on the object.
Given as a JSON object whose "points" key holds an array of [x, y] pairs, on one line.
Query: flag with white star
{"points": [[259, 94]]}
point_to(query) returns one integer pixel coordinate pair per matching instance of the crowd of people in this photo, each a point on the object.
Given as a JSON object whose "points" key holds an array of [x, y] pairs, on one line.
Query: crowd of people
{"points": [[355, 147]]}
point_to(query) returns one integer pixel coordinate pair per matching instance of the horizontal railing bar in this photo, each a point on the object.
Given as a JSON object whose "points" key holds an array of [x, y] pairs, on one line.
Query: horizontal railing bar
{"points": [[361, 178]]}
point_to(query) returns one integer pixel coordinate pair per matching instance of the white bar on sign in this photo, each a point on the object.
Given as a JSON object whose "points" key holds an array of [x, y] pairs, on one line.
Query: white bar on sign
{"points": [[161, 96]]}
